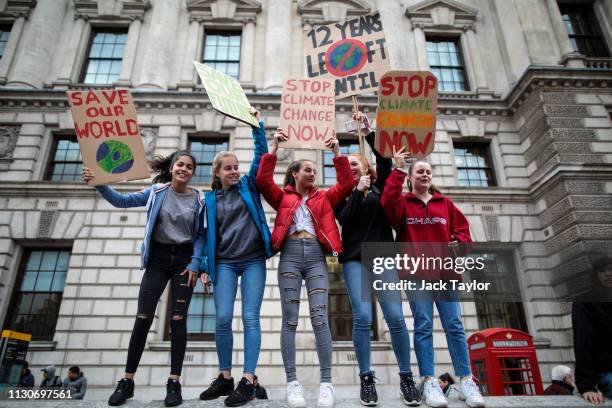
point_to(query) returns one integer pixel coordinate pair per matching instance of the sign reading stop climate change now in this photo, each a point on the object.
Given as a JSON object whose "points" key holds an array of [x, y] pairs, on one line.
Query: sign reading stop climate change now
{"points": [[225, 94], [107, 130], [352, 53], [307, 112], [406, 114]]}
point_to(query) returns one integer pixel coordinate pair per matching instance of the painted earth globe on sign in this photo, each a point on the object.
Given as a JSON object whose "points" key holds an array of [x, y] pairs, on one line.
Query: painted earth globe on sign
{"points": [[114, 157]]}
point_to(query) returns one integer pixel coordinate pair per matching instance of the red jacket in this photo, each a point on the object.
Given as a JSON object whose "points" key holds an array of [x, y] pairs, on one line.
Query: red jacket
{"points": [[416, 222], [321, 203]]}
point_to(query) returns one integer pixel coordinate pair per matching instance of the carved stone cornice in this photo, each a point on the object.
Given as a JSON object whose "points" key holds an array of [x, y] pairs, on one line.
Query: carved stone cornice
{"points": [[243, 11], [127, 10], [17, 8], [442, 14], [315, 12]]}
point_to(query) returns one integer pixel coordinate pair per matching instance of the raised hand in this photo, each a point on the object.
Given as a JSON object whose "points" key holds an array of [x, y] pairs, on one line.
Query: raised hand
{"points": [[333, 144], [279, 136], [254, 112], [399, 157], [364, 183], [87, 175]]}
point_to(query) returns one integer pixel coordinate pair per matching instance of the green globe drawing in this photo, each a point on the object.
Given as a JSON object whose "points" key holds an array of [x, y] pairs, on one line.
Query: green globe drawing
{"points": [[114, 157]]}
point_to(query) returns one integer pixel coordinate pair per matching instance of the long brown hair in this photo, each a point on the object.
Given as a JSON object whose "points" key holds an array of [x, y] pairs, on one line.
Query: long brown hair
{"points": [[432, 188], [216, 165], [163, 165], [369, 170], [293, 167]]}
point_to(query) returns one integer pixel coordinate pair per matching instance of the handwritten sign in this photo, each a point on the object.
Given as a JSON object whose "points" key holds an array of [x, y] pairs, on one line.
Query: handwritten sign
{"points": [[225, 94], [406, 114], [352, 53], [308, 112], [107, 131]]}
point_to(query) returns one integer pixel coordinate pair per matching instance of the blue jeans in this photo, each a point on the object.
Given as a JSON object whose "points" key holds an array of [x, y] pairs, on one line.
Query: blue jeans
{"points": [[450, 315], [362, 321], [252, 285], [605, 384]]}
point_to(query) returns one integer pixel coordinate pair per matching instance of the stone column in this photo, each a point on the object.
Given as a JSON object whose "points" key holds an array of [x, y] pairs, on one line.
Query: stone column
{"points": [[475, 61], [11, 47], [569, 57], [421, 46], [70, 67], [306, 26], [159, 55], [129, 53], [247, 51], [38, 46], [191, 53], [278, 42]]}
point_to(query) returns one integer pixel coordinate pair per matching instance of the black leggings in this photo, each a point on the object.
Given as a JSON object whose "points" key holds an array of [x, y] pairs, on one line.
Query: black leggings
{"points": [[166, 263]]}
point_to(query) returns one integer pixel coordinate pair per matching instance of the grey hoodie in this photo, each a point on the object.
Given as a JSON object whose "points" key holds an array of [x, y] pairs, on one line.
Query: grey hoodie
{"points": [[77, 387], [53, 380]]}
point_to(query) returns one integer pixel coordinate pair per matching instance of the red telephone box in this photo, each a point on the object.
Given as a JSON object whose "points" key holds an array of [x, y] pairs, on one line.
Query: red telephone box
{"points": [[504, 362]]}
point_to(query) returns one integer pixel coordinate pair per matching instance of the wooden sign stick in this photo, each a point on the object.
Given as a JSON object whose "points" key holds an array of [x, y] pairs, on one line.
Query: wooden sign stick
{"points": [[358, 123]]}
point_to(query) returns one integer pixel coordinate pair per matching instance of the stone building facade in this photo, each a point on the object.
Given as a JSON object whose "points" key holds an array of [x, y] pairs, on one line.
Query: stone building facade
{"points": [[523, 146]]}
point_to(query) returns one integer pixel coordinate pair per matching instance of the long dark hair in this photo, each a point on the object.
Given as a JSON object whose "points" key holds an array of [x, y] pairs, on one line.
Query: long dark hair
{"points": [[163, 165], [293, 167], [432, 188]]}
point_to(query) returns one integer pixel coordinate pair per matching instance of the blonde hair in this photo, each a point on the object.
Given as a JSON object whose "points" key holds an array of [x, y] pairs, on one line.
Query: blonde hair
{"points": [[216, 165]]}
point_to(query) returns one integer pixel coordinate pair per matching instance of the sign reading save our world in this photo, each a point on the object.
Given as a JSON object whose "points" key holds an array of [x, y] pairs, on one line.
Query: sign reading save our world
{"points": [[106, 128], [225, 94], [352, 53]]}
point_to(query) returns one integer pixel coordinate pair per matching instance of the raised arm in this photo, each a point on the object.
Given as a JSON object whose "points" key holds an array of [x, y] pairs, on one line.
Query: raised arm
{"points": [[384, 165], [344, 184], [391, 199], [117, 199], [265, 181], [261, 147]]}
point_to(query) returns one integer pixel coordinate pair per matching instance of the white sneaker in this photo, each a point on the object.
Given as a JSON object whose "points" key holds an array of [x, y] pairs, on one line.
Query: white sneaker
{"points": [[470, 391], [326, 395], [295, 395], [432, 393]]}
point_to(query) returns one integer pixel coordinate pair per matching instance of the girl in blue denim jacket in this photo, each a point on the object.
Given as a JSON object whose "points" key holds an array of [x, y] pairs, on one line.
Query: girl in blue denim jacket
{"points": [[171, 251]]}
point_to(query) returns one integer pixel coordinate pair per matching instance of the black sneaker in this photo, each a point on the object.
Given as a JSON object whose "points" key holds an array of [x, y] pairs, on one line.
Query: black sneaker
{"points": [[244, 392], [368, 394], [173, 393], [410, 395], [220, 386], [260, 392], [124, 391]]}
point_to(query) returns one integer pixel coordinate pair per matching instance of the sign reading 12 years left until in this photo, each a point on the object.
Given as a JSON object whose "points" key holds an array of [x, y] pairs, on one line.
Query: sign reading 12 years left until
{"points": [[352, 53]]}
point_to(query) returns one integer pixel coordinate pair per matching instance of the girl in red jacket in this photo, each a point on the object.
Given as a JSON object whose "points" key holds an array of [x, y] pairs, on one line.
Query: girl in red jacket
{"points": [[424, 215], [304, 231]]}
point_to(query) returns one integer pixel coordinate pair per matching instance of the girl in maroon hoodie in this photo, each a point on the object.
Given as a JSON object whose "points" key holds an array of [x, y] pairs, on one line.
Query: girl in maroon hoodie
{"points": [[424, 215], [304, 231]]}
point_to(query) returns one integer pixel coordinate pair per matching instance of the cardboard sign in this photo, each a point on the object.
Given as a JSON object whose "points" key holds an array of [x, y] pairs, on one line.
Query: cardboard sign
{"points": [[225, 94], [106, 127], [406, 114], [307, 112], [352, 53]]}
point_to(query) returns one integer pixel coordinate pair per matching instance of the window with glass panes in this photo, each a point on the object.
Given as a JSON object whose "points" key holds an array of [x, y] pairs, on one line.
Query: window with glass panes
{"points": [[329, 172], [583, 29], [204, 151], [38, 295], [473, 164], [222, 52], [500, 271], [105, 56], [339, 305], [446, 63], [66, 162], [5, 32]]}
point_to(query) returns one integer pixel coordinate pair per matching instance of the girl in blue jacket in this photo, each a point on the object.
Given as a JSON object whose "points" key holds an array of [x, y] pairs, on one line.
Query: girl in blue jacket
{"points": [[237, 244], [171, 251]]}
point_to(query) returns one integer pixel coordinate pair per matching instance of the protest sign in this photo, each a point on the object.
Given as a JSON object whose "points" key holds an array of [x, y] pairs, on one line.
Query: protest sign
{"points": [[406, 114], [352, 53], [308, 112], [225, 94], [106, 127]]}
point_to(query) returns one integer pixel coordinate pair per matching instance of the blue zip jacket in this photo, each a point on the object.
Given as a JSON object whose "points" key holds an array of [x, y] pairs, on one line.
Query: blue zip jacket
{"points": [[152, 197], [251, 197]]}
